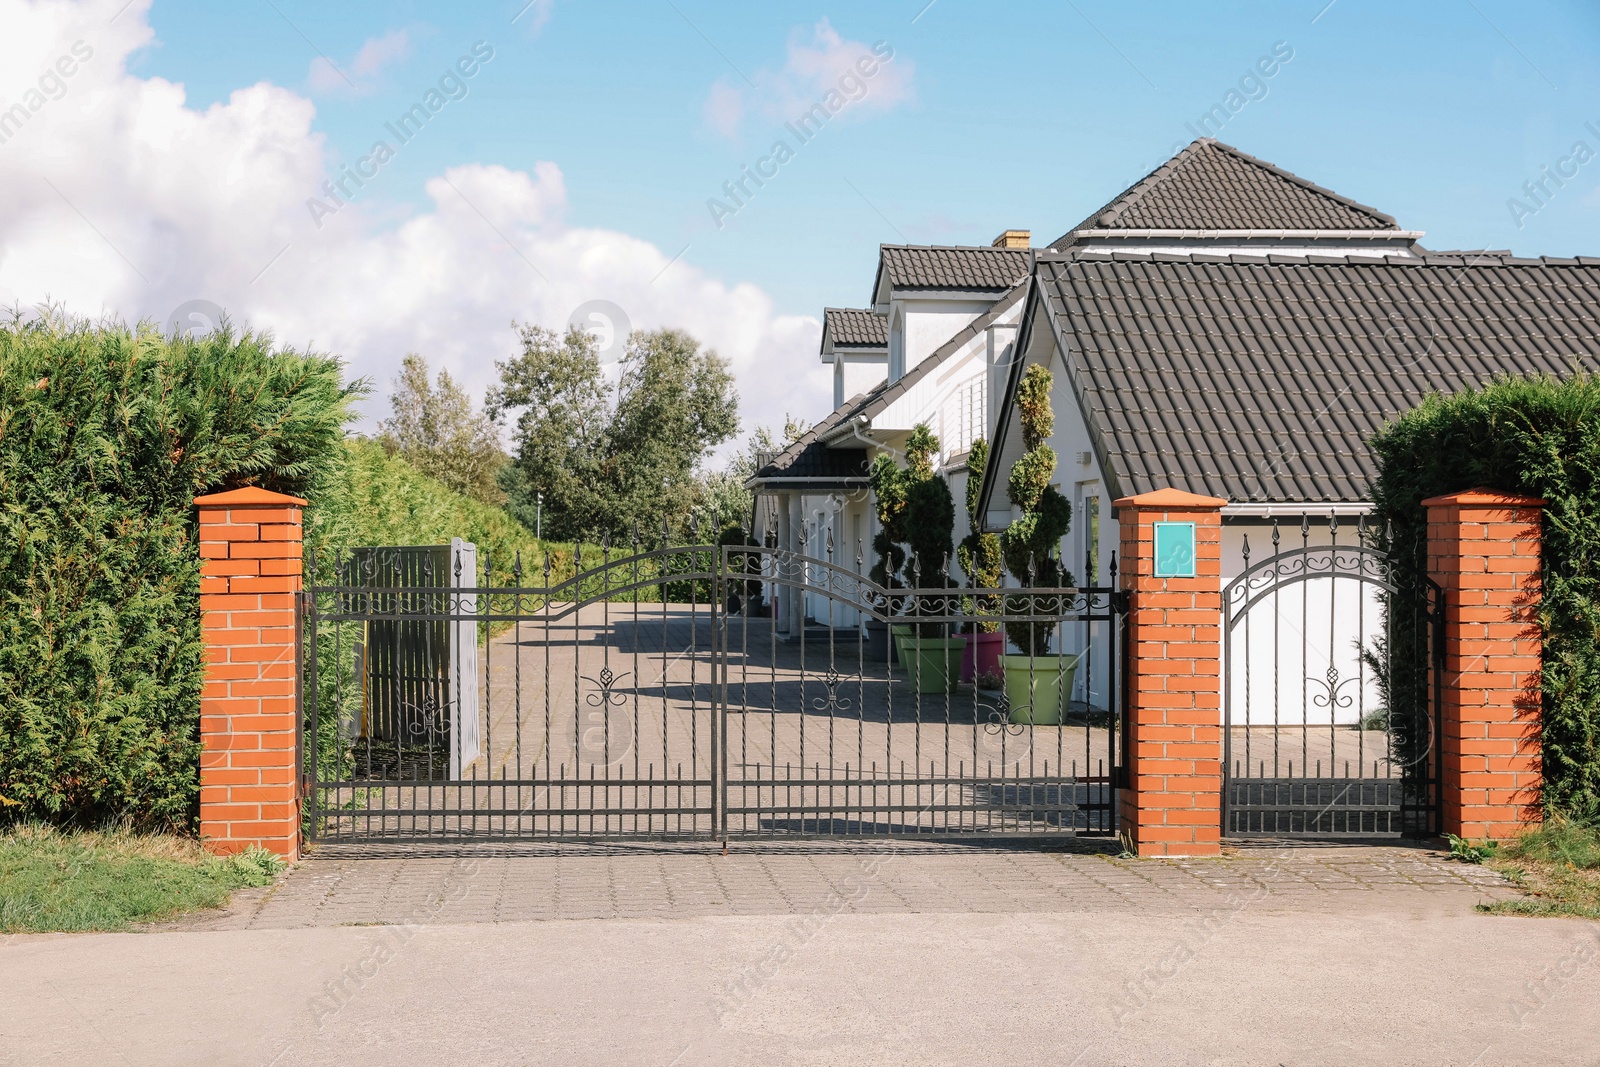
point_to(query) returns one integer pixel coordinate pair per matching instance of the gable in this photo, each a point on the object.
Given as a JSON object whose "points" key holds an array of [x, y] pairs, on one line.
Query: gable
{"points": [[1211, 186]]}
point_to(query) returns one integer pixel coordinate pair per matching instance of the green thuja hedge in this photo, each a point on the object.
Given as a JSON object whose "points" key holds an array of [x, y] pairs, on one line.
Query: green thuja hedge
{"points": [[1541, 437], [106, 436]]}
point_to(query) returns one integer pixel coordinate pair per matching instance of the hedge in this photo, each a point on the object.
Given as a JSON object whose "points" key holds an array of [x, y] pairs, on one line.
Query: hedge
{"points": [[106, 436], [1540, 437]]}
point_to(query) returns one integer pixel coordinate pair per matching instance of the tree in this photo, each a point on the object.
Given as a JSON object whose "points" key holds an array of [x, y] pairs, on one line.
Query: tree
{"points": [[722, 492], [434, 428], [1031, 543], [610, 460], [562, 400]]}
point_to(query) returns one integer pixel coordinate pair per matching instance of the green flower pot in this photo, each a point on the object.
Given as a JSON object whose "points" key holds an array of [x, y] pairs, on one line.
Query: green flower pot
{"points": [[934, 663], [1037, 687], [898, 632]]}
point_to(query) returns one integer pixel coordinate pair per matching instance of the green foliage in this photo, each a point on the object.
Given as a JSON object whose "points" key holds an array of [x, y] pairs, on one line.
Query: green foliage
{"points": [[930, 523], [106, 436], [375, 498], [1033, 407], [1535, 436], [562, 400], [1465, 851], [1559, 864], [921, 448], [979, 553], [434, 427], [1559, 841], [1031, 545], [722, 493], [607, 459], [1030, 477], [50, 881]]}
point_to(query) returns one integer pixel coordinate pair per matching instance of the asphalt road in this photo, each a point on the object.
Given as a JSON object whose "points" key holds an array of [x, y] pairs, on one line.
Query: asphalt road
{"points": [[1373, 978]]}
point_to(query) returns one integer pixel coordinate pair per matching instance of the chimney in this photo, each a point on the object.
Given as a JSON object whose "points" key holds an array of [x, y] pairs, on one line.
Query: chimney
{"points": [[1011, 239]]}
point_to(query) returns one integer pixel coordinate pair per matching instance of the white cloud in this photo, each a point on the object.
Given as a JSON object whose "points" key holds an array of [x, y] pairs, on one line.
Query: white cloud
{"points": [[122, 199], [534, 14], [360, 72], [865, 77]]}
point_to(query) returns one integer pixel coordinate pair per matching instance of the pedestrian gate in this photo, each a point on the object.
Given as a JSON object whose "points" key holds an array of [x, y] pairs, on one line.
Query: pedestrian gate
{"points": [[1331, 689]]}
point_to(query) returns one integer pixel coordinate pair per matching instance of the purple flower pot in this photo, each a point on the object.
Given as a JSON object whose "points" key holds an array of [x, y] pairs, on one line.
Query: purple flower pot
{"points": [[982, 655]]}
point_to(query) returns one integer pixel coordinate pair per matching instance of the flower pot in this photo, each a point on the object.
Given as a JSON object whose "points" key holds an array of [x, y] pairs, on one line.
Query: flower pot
{"points": [[1037, 687], [877, 645], [982, 655], [934, 663], [900, 631]]}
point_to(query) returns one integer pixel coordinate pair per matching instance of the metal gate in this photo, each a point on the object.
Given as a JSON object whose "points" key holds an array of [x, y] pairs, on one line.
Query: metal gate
{"points": [[1331, 690], [653, 694]]}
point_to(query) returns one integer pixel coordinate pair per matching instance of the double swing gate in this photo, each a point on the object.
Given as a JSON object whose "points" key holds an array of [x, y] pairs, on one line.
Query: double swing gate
{"points": [[697, 692]]}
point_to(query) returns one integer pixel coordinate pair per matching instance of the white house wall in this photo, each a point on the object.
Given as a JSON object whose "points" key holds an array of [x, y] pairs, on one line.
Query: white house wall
{"points": [[856, 374], [1279, 655], [930, 323]]}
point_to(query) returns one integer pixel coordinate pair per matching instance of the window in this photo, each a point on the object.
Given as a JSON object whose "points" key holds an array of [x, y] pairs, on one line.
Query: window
{"points": [[961, 419]]}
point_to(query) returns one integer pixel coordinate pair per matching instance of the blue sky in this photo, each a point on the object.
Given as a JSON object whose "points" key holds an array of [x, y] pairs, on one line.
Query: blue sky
{"points": [[181, 163], [1027, 114]]}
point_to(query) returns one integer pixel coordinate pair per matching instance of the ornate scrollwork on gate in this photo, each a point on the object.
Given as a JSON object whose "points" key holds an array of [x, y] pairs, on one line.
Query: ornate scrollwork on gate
{"points": [[1332, 696], [605, 697], [832, 701]]}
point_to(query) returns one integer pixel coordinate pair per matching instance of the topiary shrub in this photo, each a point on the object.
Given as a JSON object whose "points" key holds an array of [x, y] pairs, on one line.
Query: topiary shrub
{"points": [[1540, 437], [1030, 546], [979, 552]]}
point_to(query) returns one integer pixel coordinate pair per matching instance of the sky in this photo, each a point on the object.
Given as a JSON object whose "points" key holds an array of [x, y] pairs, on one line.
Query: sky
{"points": [[583, 159]]}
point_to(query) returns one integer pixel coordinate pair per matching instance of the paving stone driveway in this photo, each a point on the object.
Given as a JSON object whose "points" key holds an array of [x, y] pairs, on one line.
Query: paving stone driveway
{"points": [[347, 885]]}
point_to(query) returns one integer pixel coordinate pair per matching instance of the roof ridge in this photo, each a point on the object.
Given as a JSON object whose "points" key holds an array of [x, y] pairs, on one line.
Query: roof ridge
{"points": [[1278, 257], [952, 248]]}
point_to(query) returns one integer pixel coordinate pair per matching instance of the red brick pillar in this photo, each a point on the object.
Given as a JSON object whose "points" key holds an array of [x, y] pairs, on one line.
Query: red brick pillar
{"points": [[1483, 550], [249, 578], [1172, 805]]}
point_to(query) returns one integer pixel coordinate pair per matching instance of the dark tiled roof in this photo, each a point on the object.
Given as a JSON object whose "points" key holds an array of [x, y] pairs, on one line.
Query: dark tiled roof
{"points": [[1213, 186], [885, 393], [808, 458], [933, 267], [1262, 379], [856, 327]]}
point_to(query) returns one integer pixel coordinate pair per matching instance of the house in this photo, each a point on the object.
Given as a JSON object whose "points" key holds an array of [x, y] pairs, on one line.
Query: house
{"points": [[1222, 327], [1258, 374], [931, 348]]}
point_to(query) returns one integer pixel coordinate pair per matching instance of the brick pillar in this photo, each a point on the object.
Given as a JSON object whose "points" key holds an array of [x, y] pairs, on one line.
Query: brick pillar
{"points": [[1172, 805], [249, 578], [1483, 550]]}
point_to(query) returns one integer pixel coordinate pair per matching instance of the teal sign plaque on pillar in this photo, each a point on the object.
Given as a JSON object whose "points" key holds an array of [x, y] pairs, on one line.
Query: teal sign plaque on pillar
{"points": [[1174, 549]]}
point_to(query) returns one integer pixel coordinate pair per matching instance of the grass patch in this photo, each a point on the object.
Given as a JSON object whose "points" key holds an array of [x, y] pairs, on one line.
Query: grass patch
{"points": [[1558, 865], [54, 881]]}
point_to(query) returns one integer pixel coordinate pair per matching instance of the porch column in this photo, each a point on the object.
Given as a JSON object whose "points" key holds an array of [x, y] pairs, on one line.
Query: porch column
{"points": [[1172, 804], [1483, 550]]}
